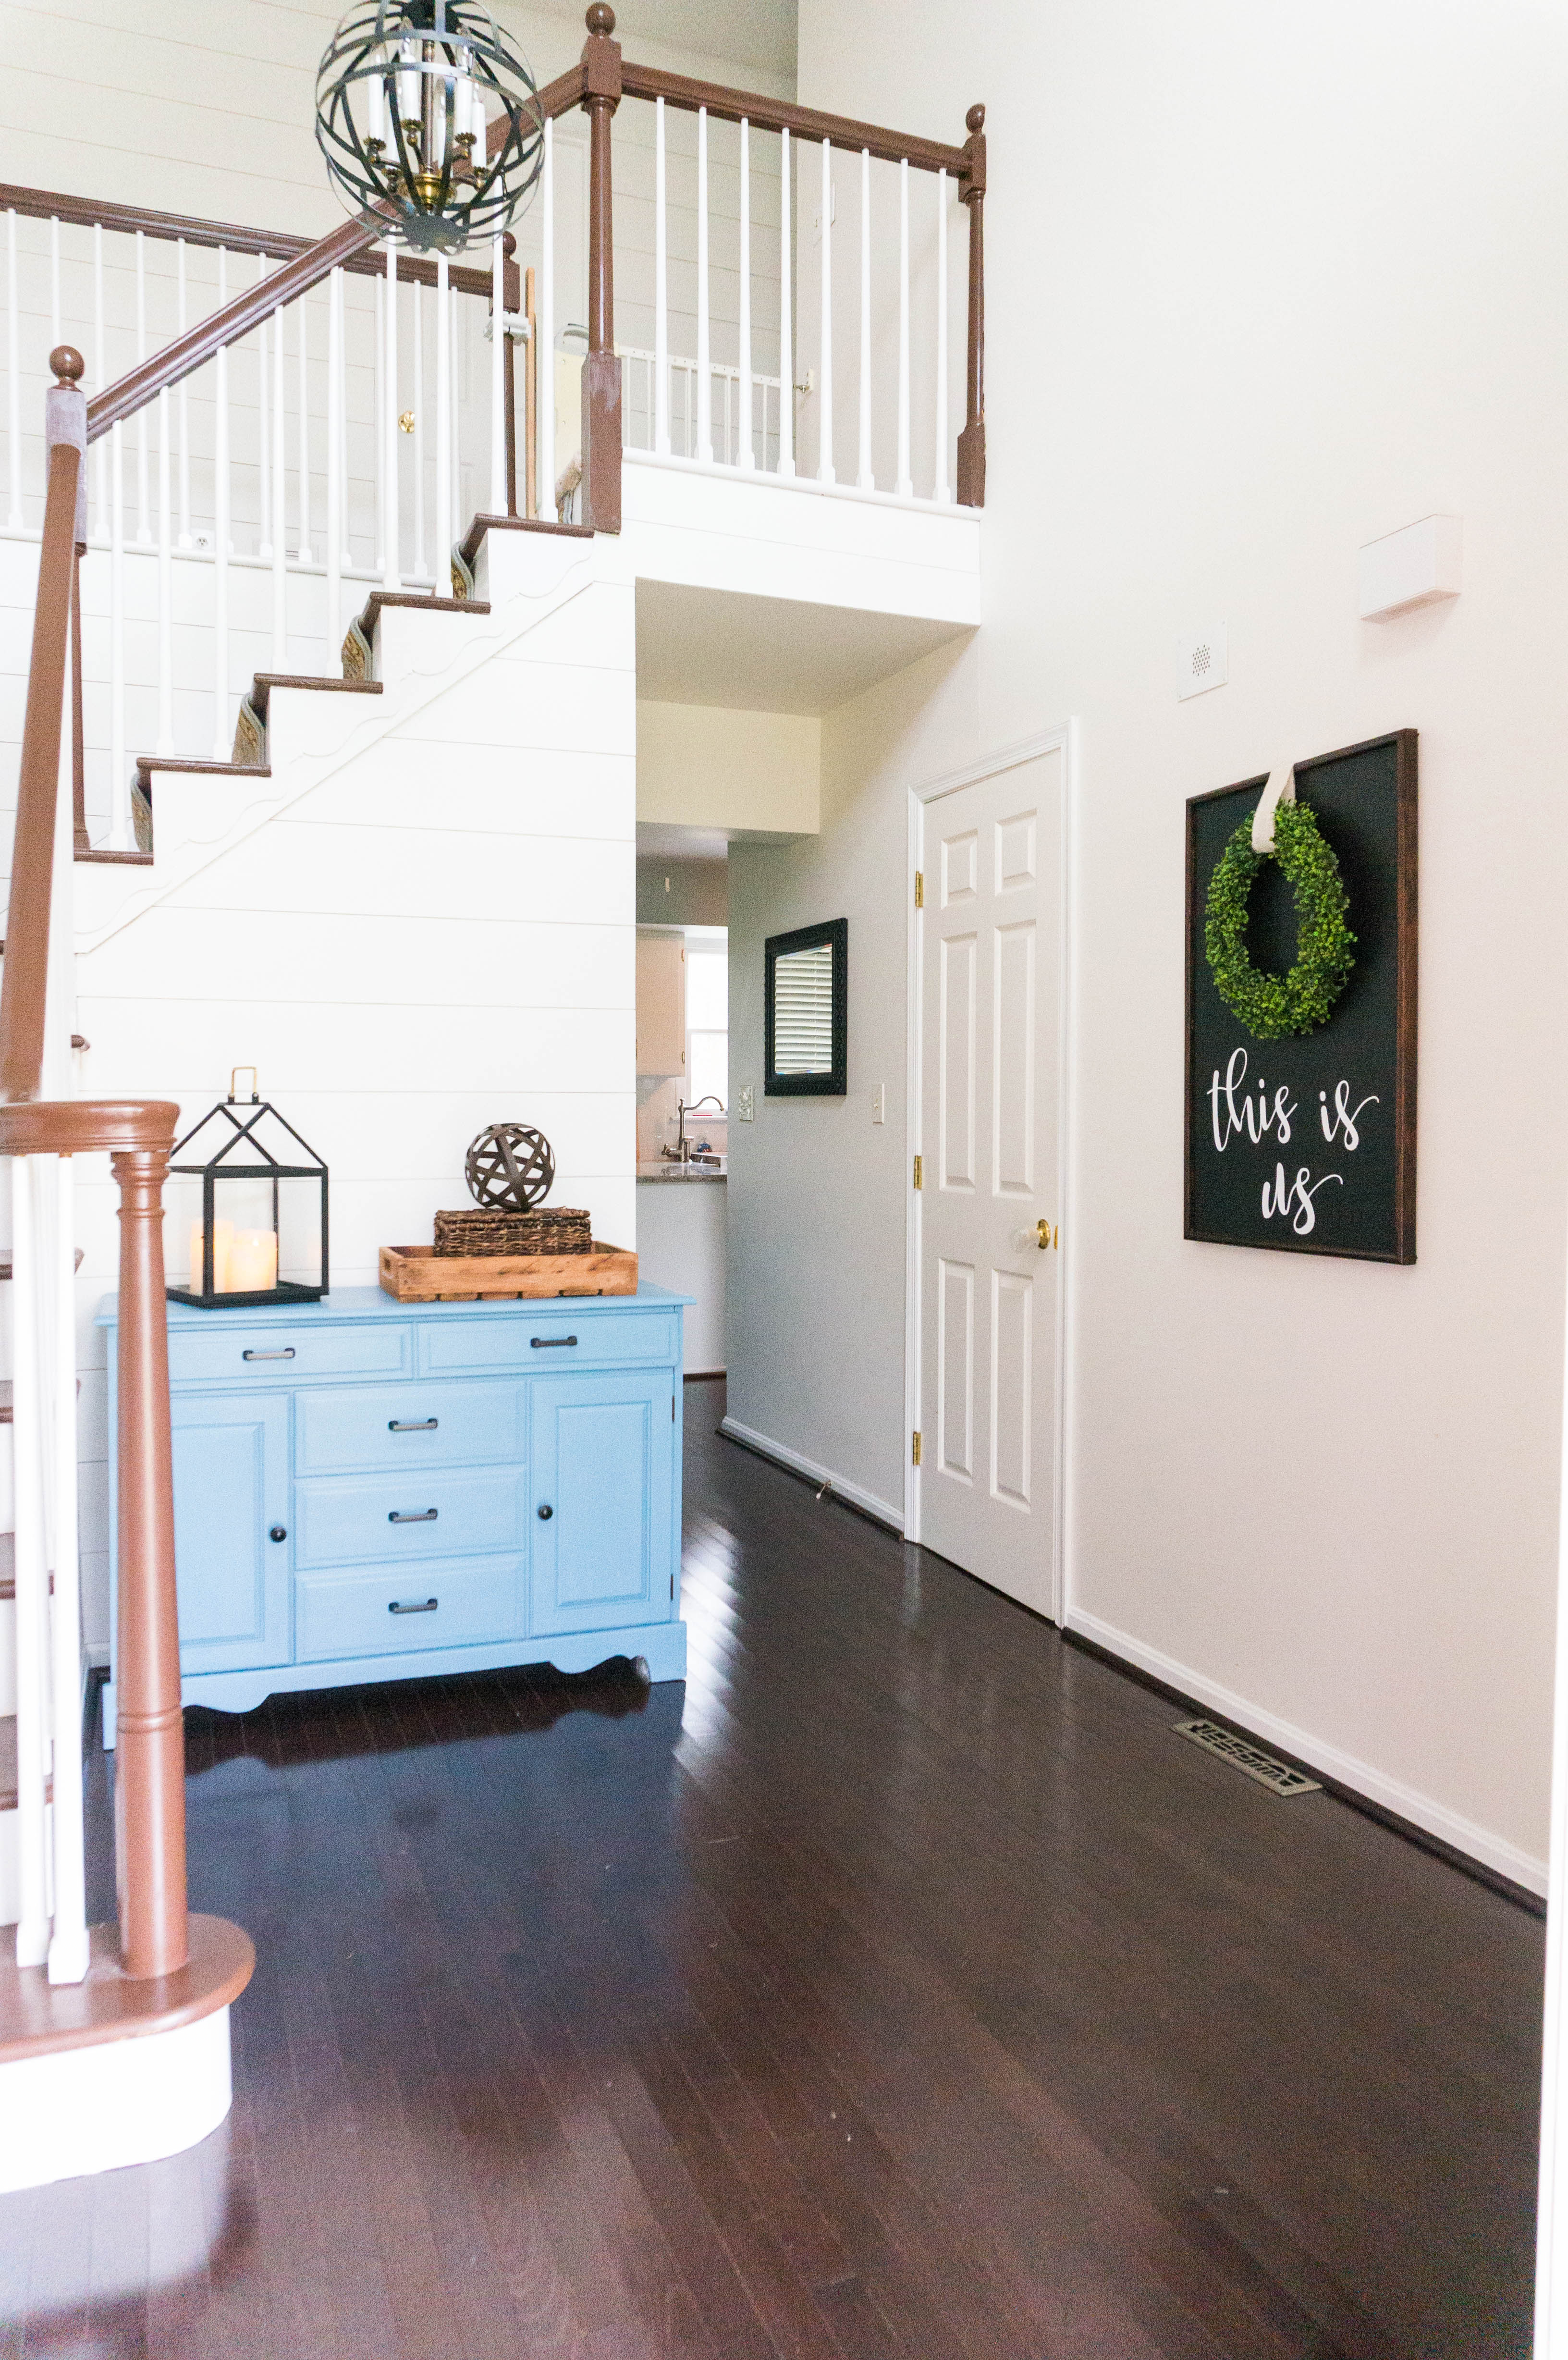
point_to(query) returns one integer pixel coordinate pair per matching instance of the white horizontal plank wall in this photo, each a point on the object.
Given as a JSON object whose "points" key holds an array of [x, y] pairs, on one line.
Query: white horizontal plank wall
{"points": [[403, 966]]}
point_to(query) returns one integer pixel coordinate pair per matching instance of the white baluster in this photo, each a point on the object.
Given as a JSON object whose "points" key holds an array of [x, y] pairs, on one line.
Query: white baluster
{"points": [[865, 479], [547, 331], [144, 518], [264, 438], [300, 311], [164, 582], [223, 735], [391, 577], [345, 553], [100, 378], [786, 348], [279, 503], [941, 488], [335, 487], [660, 290], [443, 429], [12, 373], [419, 407], [31, 1573], [185, 540], [824, 361], [120, 832], [68, 1949], [379, 431], [54, 281], [497, 381], [906, 482], [748, 455], [704, 355]]}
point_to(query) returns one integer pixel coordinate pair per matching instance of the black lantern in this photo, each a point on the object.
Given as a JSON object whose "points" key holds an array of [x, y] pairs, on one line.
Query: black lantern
{"points": [[252, 1201], [405, 97]]}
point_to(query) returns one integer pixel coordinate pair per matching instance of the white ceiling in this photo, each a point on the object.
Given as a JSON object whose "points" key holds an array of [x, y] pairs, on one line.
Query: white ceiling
{"points": [[752, 32], [768, 655]]}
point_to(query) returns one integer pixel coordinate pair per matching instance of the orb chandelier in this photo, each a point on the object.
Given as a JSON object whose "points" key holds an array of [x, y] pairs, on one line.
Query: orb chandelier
{"points": [[408, 97]]}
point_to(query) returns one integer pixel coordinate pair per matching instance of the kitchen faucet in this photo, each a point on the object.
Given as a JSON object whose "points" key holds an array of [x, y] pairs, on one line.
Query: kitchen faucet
{"points": [[682, 1152]]}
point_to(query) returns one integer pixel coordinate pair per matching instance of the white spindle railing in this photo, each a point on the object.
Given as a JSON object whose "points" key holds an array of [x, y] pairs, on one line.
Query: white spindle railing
{"points": [[661, 287], [144, 526], [497, 379], [747, 448], [865, 474], [183, 393], [418, 436], [391, 569], [222, 492], [547, 327], [165, 586], [786, 347], [13, 374], [943, 489], [443, 426], [303, 313], [824, 331], [905, 482], [263, 432], [704, 341]]}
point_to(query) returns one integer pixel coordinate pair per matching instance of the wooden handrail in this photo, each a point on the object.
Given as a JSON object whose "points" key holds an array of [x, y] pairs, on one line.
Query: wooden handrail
{"points": [[307, 268], [800, 122]]}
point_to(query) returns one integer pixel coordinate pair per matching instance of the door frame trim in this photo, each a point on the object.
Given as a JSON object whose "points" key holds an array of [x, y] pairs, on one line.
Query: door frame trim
{"points": [[1063, 739]]}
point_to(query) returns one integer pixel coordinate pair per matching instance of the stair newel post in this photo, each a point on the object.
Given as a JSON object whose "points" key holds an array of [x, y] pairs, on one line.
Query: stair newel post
{"points": [[601, 370], [512, 299], [972, 441], [149, 1773]]}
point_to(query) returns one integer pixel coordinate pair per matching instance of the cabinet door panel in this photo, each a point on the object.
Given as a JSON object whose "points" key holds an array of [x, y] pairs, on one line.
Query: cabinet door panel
{"points": [[231, 1487], [602, 1464]]}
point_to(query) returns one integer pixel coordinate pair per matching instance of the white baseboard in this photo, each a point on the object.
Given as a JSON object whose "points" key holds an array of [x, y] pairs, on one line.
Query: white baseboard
{"points": [[1434, 1819], [855, 1494]]}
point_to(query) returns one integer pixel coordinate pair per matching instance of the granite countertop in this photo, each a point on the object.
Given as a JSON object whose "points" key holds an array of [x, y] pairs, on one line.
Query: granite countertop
{"points": [[664, 1170]]}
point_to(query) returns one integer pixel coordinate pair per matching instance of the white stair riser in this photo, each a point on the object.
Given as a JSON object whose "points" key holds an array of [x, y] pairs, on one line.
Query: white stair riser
{"points": [[116, 2103]]}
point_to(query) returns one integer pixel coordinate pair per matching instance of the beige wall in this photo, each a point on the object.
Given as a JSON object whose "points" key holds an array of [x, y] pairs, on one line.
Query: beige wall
{"points": [[706, 766], [1262, 287]]}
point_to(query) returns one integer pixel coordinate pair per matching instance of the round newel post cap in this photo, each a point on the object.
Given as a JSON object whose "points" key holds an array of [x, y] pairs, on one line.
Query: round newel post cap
{"points": [[67, 363], [601, 18], [975, 119]]}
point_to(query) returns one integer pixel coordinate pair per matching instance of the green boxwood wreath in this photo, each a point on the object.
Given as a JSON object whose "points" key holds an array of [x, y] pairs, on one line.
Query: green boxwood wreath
{"points": [[1273, 1006]]}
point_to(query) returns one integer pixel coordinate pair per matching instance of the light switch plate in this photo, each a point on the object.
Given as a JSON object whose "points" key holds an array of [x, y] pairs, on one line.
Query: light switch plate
{"points": [[879, 1103], [743, 1103], [1202, 661]]}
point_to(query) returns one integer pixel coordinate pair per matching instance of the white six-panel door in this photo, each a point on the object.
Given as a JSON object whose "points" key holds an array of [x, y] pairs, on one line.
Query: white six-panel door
{"points": [[987, 1263]]}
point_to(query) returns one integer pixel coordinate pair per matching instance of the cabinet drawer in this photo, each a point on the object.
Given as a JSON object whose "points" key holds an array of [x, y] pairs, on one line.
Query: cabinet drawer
{"points": [[400, 1519], [390, 1611], [550, 1341], [284, 1355], [407, 1427]]}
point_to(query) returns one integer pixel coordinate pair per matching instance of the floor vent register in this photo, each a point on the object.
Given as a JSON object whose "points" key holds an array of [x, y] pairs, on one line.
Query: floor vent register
{"points": [[1278, 1776]]}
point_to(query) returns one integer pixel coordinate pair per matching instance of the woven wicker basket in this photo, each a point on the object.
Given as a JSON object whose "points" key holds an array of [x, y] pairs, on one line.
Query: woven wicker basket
{"points": [[555, 1229]]}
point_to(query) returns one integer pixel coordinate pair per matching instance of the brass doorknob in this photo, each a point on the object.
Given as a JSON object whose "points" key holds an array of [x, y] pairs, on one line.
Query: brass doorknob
{"points": [[1044, 1235]]}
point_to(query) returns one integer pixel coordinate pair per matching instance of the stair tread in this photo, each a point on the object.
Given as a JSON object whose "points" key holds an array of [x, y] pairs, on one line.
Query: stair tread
{"points": [[37, 2018], [264, 682], [7, 1566], [146, 762], [8, 1762], [116, 859], [476, 531]]}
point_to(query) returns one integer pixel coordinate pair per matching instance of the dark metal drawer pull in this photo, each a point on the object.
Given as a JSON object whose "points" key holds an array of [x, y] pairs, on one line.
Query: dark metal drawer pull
{"points": [[412, 1425], [412, 1605], [425, 1516], [551, 1343], [286, 1354]]}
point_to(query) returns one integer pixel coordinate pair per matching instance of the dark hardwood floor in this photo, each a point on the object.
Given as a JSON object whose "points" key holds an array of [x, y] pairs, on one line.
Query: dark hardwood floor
{"points": [[901, 1985]]}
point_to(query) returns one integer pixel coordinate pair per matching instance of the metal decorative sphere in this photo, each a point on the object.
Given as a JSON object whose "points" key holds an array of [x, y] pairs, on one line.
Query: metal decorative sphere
{"points": [[509, 1167], [424, 110]]}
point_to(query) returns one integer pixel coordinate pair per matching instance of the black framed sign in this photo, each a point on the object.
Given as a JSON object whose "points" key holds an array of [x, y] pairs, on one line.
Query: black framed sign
{"points": [[1307, 1143], [805, 1012]]}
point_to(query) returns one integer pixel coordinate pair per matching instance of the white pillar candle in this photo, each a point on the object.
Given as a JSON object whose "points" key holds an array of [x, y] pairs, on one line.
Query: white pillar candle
{"points": [[375, 101], [222, 1241], [252, 1266]]}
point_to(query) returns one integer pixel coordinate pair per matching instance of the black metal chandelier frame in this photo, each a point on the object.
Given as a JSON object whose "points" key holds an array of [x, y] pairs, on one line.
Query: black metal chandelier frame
{"points": [[422, 71]]}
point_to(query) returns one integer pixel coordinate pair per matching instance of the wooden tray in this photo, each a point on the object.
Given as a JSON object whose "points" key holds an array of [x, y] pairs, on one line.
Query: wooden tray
{"points": [[418, 1274]]}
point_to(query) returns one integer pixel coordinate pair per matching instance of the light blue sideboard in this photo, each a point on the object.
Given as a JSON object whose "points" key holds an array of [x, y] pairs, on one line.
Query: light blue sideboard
{"points": [[366, 1490]]}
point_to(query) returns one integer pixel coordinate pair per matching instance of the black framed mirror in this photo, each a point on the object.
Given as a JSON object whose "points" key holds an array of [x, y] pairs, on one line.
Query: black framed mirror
{"points": [[805, 1012]]}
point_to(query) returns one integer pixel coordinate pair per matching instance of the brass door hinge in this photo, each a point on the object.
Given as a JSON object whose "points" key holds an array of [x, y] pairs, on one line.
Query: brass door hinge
{"points": [[915, 1448], [918, 1180], [919, 890]]}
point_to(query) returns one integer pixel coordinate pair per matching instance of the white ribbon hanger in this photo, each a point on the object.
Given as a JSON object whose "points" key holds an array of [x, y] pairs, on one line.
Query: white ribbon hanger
{"points": [[1281, 788]]}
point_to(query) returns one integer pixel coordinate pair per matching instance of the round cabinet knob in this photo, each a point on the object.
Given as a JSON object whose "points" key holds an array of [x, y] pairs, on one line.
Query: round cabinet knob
{"points": [[279, 1532], [544, 1515]]}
